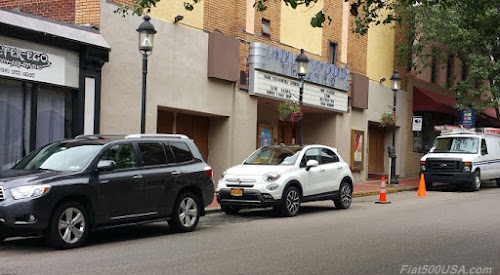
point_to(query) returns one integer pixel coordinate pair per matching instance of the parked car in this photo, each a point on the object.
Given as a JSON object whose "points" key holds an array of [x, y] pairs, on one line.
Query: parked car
{"points": [[66, 189], [463, 158], [285, 176]]}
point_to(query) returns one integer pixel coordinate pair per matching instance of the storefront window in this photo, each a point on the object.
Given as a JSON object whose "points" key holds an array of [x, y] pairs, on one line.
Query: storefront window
{"points": [[53, 118], [11, 122]]}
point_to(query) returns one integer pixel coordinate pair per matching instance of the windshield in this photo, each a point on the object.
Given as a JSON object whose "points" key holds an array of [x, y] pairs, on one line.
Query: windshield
{"points": [[467, 145], [274, 156], [60, 156]]}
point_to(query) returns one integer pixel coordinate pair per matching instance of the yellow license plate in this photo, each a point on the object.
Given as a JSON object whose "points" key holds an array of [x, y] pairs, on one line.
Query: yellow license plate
{"points": [[236, 192]]}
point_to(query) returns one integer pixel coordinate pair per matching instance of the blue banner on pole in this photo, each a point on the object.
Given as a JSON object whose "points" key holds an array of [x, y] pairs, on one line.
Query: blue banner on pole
{"points": [[467, 118]]}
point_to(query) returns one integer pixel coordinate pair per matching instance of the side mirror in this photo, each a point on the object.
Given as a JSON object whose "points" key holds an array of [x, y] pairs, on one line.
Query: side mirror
{"points": [[311, 163], [484, 151], [106, 165]]}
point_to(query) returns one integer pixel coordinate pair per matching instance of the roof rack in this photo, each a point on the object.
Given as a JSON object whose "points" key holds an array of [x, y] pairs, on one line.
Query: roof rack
{"points": [[157, 136], [97, 136]]}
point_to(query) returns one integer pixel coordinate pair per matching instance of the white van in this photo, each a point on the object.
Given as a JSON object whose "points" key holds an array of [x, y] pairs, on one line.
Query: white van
{"points": [[463, 157]]}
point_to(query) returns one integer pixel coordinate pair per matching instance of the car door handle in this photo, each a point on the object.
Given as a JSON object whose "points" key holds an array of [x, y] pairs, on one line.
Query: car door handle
{"points": [[322, 170], [175, 173], [340, 167], [137, 177]]}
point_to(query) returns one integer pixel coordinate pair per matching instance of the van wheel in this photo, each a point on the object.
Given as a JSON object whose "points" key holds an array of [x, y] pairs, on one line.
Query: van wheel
{"points": [[498, 182], [69, 226], [186, 213], [475, 185]]}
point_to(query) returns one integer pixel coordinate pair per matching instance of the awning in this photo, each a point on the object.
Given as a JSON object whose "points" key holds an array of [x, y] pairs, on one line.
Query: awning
{"points": [[56, 29], [425, 100]]}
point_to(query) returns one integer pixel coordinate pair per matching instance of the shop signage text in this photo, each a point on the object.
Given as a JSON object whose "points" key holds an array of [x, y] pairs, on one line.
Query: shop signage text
{"points": [[31, 65], [268, 58], [282, 88]]}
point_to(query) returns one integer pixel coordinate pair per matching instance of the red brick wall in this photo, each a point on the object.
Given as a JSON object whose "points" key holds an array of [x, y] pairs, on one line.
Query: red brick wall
{"points": [[60, 10]]}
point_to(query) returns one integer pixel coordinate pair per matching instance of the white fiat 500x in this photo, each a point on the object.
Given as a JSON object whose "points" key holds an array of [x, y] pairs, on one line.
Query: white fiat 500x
{"points": [[285, 176]]}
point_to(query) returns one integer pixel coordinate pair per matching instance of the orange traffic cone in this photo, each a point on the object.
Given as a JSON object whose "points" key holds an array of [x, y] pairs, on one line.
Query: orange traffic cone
{"points": [[421, 187], [383, 198]]}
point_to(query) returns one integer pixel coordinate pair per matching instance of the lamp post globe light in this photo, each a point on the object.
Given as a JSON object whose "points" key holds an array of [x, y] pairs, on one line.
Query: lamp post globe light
{"points": [[146, 32], [396, 85], [302, 67]]}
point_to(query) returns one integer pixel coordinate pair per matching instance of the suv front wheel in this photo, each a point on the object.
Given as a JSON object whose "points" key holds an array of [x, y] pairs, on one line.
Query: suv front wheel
{"points": [[290, 203], [68, 226], [186, 213]]}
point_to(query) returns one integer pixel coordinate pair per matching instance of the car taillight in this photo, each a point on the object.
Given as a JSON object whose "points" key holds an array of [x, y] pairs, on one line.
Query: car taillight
{"points": [[208, 169]]}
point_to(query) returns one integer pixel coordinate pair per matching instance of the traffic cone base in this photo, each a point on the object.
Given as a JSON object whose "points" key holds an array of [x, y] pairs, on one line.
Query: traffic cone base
{"points": [[421, 187], [383, 196]]}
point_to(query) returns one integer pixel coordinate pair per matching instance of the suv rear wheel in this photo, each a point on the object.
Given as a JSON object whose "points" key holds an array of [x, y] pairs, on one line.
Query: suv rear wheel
{"points": [[68, 226], [345, 196], [186, 213]]}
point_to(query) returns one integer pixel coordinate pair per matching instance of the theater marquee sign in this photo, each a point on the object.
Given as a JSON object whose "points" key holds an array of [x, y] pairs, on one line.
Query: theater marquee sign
{"points": [[273, 74], [31, 65]]}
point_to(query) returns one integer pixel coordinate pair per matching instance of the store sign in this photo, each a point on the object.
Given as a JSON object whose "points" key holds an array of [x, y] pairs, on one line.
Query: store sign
{"points": [[31, 65], [467, 118], [274, 60], [284, 88], [416, 123]]}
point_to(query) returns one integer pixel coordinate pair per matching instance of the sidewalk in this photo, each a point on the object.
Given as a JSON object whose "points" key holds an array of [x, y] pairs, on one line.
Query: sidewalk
{"points": [[366, 188]]}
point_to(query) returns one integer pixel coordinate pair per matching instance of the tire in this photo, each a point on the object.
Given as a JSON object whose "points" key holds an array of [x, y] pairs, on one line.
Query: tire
{"points": [[230, 209], [186, 213], [475, 184], [345, 199], [68, 227], [290, 202], [498, 182], [428, 185]]}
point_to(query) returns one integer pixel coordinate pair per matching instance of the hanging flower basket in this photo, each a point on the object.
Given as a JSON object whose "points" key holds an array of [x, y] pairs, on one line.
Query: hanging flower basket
{"points": [[290, 111], [387, 119]]}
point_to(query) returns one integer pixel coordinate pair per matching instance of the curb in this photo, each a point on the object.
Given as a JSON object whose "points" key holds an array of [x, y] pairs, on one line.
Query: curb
{"points": [[216, 209]]}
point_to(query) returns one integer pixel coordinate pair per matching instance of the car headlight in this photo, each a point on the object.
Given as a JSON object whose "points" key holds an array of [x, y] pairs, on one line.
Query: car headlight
{"points": [[29, 191], [422, 165], [270, 177], [467, 166], [272, 186]]}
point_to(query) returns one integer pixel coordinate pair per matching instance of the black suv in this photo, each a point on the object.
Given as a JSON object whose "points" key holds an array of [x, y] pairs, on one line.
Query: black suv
{"points": [[68, 188]]}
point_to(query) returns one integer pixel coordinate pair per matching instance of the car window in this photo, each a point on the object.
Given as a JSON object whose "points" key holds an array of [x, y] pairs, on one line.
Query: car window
{"points": [[272, 155], [313, 153], [328, 156], [484, 148], [152, 154], [181, 151], [122, 154]]}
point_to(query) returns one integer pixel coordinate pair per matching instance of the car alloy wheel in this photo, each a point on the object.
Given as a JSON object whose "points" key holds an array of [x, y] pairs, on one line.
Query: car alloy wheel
{"points": [[68, 227], [291, 202], [186, 213], [345, 199], [71, 225]]}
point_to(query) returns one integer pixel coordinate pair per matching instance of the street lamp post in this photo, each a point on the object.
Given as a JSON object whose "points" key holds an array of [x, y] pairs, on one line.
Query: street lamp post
{"points": [[302, 66], [396, 80], [146, 32]]}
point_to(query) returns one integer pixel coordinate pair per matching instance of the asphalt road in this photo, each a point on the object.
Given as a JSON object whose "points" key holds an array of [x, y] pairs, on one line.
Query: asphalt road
{"points": [[450, 231]]}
